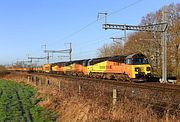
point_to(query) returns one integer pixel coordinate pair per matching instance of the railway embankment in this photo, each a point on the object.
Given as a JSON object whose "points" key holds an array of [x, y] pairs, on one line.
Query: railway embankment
{"points": [[78, 99]]}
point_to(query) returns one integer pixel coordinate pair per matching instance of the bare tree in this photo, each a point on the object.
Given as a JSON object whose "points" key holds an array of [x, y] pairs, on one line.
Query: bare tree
{"points": [[110, 50]]}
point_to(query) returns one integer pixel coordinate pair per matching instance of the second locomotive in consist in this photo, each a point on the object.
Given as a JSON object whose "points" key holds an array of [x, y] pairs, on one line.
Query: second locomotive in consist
{"points": [[134, 66]]}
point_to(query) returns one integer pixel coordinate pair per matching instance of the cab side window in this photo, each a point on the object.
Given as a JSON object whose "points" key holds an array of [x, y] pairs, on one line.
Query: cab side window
{"points": [[128, 61]]}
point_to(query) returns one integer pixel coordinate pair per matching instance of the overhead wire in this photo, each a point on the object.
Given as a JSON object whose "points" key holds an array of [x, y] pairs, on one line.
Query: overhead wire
{"points": [[80, 52], [95, 41], [125, 7], [93, 22], [86, 53]]}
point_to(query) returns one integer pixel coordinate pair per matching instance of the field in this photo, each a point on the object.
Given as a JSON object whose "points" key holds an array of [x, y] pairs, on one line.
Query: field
{"points": [[17, 103], [84, 100]]}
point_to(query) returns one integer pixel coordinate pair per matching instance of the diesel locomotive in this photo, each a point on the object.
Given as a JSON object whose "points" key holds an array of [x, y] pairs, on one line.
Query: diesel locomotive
{"points": [[124, 68]]}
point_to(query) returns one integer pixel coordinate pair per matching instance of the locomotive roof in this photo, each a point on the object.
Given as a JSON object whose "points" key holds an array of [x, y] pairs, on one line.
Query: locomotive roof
{"points": [[53, 64], [136, 55], [116, 58], [109, 58], [79, 60], [99, 59]]}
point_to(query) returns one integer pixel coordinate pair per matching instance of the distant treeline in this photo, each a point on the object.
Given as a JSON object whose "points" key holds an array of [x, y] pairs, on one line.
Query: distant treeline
{"points": [[2, 68]]}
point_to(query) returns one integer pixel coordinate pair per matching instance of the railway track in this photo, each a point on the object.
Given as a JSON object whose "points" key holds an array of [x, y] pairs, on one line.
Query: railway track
{"points": [[145, 85]]}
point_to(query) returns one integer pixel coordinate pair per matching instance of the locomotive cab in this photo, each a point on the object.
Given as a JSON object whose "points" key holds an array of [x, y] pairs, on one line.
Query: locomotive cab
{"points": [[139, 65]]}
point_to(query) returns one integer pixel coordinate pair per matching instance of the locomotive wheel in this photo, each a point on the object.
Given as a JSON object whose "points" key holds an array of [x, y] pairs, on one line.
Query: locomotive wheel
{"points": [[122, 77]]}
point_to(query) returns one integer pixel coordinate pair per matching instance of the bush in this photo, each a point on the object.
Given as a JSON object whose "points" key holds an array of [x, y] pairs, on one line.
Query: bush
{"points": [[2, 68]]}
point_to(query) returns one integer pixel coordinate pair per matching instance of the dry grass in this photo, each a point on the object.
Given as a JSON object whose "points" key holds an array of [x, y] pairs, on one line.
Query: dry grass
{"points": [[79, 109], [91, 103]]}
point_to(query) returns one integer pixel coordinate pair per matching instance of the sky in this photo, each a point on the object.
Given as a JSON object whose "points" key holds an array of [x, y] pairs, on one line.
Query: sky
{"points": [[26, 25]]}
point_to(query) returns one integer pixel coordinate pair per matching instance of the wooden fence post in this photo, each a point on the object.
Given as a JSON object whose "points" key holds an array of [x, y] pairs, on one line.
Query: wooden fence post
{"points": [[40, 81], [43, 80], [28, 79], [48, 82], [114, 96], [79, 89], [37, 79], [167, 115], [32, 78], [59, 85]]}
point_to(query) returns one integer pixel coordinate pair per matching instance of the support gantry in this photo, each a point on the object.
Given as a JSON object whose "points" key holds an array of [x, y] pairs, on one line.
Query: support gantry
{"points": [[160, 27]]}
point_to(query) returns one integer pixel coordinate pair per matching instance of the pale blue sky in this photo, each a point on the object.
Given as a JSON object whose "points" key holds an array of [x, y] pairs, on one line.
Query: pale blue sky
{"points": [[25, 25]]}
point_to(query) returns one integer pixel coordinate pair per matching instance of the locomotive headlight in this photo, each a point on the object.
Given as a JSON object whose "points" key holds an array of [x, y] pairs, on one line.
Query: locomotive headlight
{"points": [[137, 69], [148, 68]]}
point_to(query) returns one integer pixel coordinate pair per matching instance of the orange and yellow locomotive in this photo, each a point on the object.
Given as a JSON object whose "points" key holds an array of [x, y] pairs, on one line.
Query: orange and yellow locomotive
{"points": [[134, 66]]}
